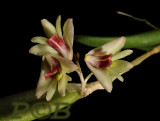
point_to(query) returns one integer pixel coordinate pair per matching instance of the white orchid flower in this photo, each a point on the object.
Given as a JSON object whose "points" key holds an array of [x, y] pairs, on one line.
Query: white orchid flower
{"points": [[57, 53], [54, 72], [56, 42], [105, 64]]}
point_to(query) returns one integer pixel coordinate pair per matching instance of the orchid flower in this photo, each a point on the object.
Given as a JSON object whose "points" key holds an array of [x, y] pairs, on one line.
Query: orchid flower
{"points": [[56, 43], [57, 55], [54, 72], [105, 64]]}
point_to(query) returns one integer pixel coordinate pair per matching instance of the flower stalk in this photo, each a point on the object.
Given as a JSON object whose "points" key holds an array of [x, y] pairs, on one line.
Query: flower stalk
{"points": [[140, 59], [88, 77], [80, 74], [138, 19]]}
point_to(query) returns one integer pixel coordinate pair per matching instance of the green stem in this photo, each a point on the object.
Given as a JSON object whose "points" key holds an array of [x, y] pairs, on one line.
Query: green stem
{"points": [[138, 19], [80, 73], [140, 59], [88, 77], [28, 98], [138, 41]]}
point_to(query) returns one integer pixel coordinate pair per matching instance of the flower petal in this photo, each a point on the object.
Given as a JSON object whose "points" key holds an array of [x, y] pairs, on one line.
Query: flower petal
{"points": [[68, 32], [40, 40], [99, 61], [48, 28], [58, 26], [42, 49], [109, 48], [58, 44], [51, 89], [67, 65], [62, 83], [43, 84], [114, 74], [102, 76], [51, 73], [121, 66], [121, 54], [52, 62]]}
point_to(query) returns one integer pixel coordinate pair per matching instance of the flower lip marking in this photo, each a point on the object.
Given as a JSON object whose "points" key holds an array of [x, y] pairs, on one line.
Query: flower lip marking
{"points": [[58, 44], [51, 73], [100, 62], [55, 67]]}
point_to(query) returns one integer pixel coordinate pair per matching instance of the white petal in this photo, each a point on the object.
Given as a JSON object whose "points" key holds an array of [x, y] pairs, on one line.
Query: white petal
{"points": [[121, 54], [68, 32], [40, 40], [114, 74], [42, 49], [58, 26], [109, 48], [121, 66], [48, 28], [67, 65], [62, 83], [43, 84], [51, 89], [102, 76]]}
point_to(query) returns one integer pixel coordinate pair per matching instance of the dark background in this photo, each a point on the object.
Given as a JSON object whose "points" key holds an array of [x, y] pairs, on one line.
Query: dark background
{"points": [[136, 98]]}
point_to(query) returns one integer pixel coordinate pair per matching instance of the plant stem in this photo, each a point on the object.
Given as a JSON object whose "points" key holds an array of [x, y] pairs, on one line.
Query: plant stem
{"points": [[80, 74], [140, 59], [87, 78], [91, 87], [82, 82], [36, 108], [138, 19]]}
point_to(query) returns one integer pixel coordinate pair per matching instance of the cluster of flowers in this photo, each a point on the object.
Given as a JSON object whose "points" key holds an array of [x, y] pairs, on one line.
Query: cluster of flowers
{"points": [[57, 55]]}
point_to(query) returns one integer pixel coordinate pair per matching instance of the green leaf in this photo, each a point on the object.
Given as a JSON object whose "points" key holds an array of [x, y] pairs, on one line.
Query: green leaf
{"points": [[142, 40], [145, 48]]}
